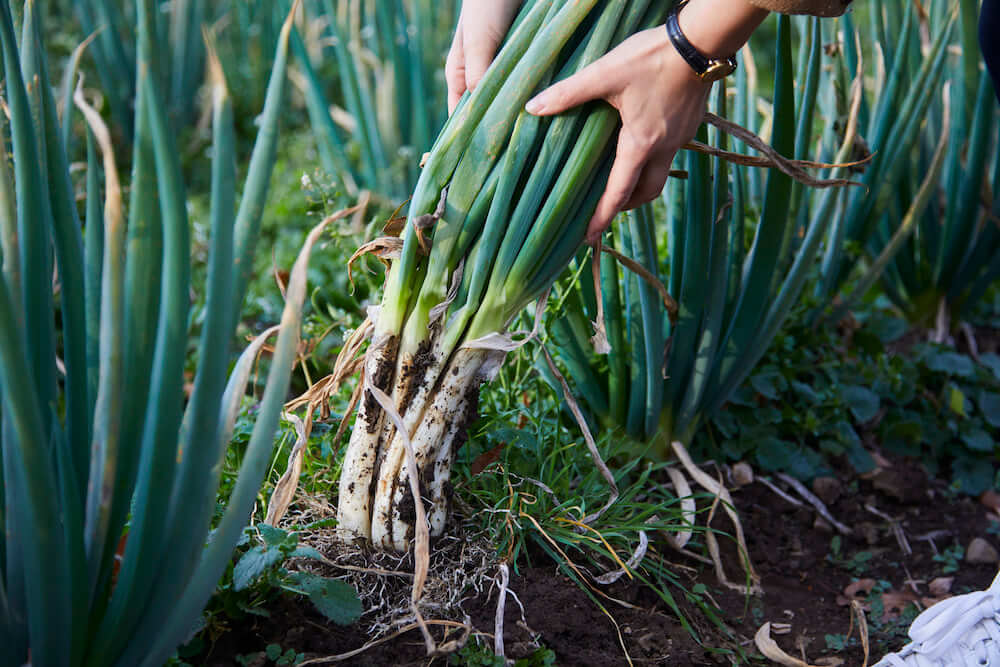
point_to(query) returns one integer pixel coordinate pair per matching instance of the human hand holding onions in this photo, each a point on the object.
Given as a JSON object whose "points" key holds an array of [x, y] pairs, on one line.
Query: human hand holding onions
{"points": [[659, 96]]}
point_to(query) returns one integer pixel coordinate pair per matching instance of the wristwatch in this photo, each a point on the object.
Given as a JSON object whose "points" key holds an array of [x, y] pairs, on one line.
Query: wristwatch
{"points": [[707, 69]]}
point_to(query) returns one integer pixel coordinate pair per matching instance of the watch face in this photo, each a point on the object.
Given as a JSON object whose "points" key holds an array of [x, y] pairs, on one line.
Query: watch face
{"points": [[718, 69]]}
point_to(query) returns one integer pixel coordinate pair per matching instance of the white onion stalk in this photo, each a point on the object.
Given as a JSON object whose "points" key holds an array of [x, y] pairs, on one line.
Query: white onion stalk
{"points": [[447, 412]]}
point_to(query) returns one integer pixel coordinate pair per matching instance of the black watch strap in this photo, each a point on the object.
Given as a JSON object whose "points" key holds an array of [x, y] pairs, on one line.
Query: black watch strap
{"points": [[707, 69]]}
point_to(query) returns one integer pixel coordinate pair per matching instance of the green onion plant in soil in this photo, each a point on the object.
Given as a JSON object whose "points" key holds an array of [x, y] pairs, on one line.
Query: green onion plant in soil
{"points": [[924, 225], [735, 263], [109, 474]]}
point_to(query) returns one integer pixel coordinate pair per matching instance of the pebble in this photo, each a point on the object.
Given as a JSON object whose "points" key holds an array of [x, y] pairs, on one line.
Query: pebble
{"points": [[742, 474], [941, 586], [981, 552]]}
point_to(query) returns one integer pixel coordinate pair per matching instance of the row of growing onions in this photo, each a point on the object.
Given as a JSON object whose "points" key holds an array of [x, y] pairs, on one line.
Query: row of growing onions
{"points": [[933, 237], [388, 59], [177, 30], [502, 203], [903, 118], [110, 474], [384, 58]]}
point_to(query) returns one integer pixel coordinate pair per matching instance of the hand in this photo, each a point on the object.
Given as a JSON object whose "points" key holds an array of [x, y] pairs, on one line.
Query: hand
{"points": [[482, 26], [660, 99], [661, 102]]}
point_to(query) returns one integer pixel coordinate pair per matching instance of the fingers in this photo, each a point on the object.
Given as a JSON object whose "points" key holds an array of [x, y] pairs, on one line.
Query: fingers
{"points": [[651, 181], [454, 70], [591, 83], [629, 161], [484, 24]]}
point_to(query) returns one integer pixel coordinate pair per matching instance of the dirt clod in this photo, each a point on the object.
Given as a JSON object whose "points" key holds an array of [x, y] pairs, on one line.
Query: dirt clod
{"points": [[905, 484]]}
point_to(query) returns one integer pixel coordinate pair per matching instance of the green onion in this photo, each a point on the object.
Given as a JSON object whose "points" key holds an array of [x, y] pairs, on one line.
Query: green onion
{"points": [[388, 54], [934, 243], [113, 454], [898, 111]]}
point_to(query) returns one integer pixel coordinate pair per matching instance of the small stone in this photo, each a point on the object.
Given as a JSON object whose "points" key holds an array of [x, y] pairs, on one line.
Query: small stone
{"points": [[981, 552], [742, 474], [827, 488], [941, 586]]}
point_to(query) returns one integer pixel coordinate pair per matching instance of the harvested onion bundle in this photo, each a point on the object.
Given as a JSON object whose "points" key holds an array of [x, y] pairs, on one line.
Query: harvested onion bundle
{"points": [[499, 211]]}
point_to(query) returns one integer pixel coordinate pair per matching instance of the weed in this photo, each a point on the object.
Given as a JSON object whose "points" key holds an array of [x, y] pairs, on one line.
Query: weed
{"points": [[856, 563], [475, 655], [815, 396], [950, 558], [273, 654]]}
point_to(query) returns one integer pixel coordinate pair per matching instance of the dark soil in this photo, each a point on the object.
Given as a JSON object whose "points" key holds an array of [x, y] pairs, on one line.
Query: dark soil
{"points": [[415, 370], [381, 379], [804, 575], [557, 614], [804, 578]]}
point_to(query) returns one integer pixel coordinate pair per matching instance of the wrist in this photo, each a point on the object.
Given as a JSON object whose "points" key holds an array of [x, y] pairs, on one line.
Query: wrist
{"points": [[669, 57], [719, 28]]}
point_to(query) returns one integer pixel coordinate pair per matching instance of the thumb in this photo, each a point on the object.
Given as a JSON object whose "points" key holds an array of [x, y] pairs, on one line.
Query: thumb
{"points": [[590, 83]]}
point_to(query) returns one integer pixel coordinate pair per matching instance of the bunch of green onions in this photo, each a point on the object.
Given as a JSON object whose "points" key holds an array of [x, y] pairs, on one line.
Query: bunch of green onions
{"points": [[500, 209]]}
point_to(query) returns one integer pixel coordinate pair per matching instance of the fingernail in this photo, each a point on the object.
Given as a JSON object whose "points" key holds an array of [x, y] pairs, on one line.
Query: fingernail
{"points": [[534, 106]]}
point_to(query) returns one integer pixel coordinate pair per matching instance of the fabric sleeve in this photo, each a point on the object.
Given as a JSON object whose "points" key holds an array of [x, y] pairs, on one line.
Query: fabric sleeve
{"points": [[815, 7]]}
